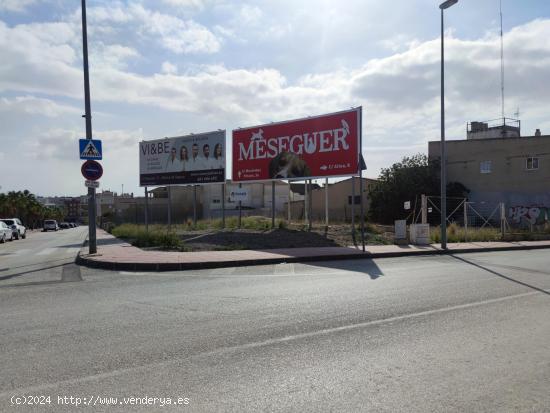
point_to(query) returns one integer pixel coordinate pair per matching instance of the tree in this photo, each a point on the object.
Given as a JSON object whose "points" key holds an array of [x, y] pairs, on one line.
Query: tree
{"points": [[406, 181], [24, 205]]}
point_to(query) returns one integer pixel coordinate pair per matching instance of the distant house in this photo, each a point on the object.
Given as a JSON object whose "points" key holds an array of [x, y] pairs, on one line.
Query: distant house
{"points": [[497, 164]]}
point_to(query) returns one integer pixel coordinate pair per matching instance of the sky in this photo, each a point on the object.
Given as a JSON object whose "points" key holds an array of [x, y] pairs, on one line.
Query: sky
{"points": [[172, 67]]}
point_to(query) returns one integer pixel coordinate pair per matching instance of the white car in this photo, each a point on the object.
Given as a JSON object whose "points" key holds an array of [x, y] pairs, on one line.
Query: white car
{"points": [[6, 233], [50, 225], [19, 230]]}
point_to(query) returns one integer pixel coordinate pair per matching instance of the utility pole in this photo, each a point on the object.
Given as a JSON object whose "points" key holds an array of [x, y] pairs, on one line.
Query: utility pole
{"points": [[92, 242]]}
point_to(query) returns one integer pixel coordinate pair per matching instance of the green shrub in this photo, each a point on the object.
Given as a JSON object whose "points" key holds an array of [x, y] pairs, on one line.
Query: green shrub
{"points": [[157, 236]]}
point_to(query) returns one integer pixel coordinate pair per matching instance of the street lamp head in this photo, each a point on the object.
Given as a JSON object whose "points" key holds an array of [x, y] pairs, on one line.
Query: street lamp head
{"points": [[447, 4]]}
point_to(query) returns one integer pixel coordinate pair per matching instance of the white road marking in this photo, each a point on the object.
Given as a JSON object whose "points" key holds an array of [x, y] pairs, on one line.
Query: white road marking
{"points": [[22, 251]]}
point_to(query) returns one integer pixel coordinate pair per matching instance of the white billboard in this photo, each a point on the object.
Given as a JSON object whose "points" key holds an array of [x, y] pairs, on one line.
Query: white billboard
{"points": [[191, 159]]}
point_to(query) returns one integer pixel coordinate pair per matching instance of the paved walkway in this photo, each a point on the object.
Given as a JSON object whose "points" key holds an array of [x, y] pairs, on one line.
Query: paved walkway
{"points": [[116, 254]]}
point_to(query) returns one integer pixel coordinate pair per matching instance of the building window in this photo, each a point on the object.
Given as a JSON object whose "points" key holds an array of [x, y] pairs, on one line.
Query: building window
{"points": [[485, 167], [532, 163], [216, 201], [357, 200]]}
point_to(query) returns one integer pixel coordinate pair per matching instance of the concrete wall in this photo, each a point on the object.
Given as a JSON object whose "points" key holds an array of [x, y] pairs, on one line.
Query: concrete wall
{"points": [[339, 201], [258, 203], [509, 180]]}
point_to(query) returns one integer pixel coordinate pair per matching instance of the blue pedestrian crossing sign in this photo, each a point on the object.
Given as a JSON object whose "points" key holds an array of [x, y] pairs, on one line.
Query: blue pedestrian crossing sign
{"points": [[90, 149]]}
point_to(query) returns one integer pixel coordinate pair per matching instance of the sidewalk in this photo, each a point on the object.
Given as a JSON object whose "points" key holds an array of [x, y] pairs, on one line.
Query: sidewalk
{"points": [[115, 254]]}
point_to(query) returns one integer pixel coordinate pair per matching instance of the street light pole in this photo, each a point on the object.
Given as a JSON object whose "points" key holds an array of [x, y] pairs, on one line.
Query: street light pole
{"points": [[92, 243], [443, 6]]}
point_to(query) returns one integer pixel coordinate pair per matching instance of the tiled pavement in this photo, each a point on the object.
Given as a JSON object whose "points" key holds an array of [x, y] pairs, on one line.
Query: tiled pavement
{"points": [[118, 255]]}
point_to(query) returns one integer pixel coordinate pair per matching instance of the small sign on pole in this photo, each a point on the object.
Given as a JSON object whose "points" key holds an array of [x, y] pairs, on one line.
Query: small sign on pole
{"points": [[91, 170], [90, 149], [91, 184], [407, 205], [238, 195]]}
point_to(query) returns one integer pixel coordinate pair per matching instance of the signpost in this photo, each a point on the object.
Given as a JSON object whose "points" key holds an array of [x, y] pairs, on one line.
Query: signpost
{"points": [[92, 241]]}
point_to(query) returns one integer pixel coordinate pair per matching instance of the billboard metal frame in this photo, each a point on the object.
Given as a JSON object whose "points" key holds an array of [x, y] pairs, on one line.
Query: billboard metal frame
{"points": [[189, 136], [359, 111]]}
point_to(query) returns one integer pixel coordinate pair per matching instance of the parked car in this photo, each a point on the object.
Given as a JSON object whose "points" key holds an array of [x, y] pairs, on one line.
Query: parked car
{"points": [[50, 225], [72, 225], [19, 230], [6, 233], [64, 225]]}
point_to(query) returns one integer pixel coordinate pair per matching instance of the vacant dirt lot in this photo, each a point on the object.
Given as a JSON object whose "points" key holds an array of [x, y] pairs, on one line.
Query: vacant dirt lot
{"points": [[298, 237]]}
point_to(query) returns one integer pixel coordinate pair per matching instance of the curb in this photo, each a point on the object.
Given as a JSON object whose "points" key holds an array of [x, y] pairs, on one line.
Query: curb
{"points": [[185, 266]]}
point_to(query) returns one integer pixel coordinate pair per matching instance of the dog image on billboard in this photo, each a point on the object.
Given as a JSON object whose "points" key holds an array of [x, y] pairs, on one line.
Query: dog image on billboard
{"points": [[288, 165]]}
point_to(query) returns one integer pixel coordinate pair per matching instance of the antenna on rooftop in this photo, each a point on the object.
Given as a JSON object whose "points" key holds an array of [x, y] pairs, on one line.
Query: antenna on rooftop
{"points": [[501, 63]]}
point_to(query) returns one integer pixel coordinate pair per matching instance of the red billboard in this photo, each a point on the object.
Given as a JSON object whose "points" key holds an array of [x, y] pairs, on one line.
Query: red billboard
{"points": [[314, 147]]}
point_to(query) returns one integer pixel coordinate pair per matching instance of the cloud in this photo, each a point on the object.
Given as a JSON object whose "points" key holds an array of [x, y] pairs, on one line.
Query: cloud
{"points": [[111, 56], [177, 35], [195, 4], [39, 58], [36, 106], [17, 6], [169, 68], [62, 143], [399, 93], [171, 32]]}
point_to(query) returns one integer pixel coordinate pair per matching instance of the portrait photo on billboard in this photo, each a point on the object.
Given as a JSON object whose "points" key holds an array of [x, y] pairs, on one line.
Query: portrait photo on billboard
{"points": [[313, 147], [191, 159]]}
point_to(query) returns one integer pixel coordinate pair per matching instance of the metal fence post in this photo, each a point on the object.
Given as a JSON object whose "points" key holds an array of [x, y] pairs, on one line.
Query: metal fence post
{"points": [[169, 208], [310, 205], [194, 206], [223, 205], [288, 203], [146, 209], [353, 209], [306, 202], [240, 207], [272, 204], [424, 208], [465, 221], [326, 205]]}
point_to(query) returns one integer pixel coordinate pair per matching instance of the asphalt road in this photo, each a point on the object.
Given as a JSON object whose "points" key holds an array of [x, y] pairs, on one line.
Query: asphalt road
{"points": [[452, 333], [41, 257]]}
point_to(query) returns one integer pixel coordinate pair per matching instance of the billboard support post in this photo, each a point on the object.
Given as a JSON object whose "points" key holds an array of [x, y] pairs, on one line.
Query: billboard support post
{"points": [[240, 209], [146, 209], [272, 204], [310, 205], [362, 214], [353, 209], [288, 203], [194, 206], [306, 203], [326, 205], [361, 179], [223, 205], [169, 208]]}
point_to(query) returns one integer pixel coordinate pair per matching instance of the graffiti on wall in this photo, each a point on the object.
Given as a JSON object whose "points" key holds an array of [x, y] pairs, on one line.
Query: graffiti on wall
{"points": [[531, 214]]}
